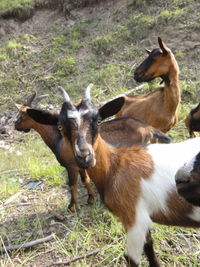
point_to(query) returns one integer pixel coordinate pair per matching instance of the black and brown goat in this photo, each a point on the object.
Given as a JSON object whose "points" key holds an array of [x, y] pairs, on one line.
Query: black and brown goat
{"points": [[192, 121], [136, 183], [157, 108], [188, 180], [53, 139], [124, 131]]}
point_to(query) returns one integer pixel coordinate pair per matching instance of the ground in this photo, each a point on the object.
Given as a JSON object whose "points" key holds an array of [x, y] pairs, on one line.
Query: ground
{"points": [[73, 45]]}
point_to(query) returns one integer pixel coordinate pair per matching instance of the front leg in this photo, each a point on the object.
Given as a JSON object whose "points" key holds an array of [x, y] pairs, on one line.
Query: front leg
{"points": [[86, 180], [73, 179], [136, 235]]}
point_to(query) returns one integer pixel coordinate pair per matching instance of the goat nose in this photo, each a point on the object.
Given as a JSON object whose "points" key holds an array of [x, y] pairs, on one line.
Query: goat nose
{"points": [[182, 177]]}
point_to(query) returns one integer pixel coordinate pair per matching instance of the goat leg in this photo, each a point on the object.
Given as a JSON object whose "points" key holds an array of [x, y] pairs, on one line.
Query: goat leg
{"points": [[149, 251], [73, 179], [86, 181], [130, 262]]}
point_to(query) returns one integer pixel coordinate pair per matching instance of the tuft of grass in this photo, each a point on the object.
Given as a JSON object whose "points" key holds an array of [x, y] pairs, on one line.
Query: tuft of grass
{"points": [[139, 25], [103, 45], [167, 16], [66, 66]]}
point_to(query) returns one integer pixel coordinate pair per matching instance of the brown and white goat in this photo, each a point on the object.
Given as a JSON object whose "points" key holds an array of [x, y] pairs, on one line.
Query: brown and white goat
{"points": [[192, 121], [117, 132], [136, 183], [188, 180], [157, 108]]}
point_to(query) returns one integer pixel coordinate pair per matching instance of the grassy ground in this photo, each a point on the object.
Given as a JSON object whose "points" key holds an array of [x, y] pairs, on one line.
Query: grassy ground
{"points": [[101, 44]]}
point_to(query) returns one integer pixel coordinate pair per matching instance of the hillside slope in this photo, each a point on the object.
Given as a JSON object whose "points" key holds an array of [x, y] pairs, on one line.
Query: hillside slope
{"points": [[100, 43]]}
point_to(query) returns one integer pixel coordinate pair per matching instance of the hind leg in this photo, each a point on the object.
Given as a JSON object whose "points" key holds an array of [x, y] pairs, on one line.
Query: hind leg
{"points": [[149, 251]]}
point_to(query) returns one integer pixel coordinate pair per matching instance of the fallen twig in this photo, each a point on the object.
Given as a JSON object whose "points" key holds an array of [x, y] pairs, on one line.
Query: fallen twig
{"points": [[27, 245], [13, 197], [5, 250], [74, 259]]}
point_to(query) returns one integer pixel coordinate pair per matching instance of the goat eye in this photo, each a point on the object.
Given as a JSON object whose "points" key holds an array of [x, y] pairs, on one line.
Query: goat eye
{"points": [[60, 127], [98, 122]]}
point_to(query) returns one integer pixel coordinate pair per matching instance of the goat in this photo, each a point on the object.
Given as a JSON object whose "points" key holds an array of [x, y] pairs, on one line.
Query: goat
{"points": [[157, 108], [129, 130], [136, 183], [192, 121], [53, 139], [117, 132], [188, 180]]}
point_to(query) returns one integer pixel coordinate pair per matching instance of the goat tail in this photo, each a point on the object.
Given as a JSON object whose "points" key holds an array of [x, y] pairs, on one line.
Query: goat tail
{"points": [[162, 138]]}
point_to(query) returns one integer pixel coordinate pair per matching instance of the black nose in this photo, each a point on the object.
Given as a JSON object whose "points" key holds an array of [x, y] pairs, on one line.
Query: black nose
{"points": [[182, 178]]}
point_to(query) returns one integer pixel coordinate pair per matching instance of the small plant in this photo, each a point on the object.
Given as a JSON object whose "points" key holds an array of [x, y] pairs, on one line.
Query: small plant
{"points": [[3, 57], [66, 66], [13, 47], [103, 45], [167, 16], [140, 2], [139, 26], [190, 91]]}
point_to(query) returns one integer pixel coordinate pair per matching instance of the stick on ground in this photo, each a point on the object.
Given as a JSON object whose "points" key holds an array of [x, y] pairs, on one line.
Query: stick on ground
{"points": [[27, 245], [74, 259]]}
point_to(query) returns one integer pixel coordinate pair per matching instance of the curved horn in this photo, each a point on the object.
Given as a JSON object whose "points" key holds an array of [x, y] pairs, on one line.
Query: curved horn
{"points": [[64, 94], [30, 99], [87, 91], [37, 99]]}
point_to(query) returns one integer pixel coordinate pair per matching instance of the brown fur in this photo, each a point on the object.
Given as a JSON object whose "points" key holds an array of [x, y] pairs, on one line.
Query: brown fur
{"points": [[130, 130], [158, 108], [117, 170], [192, 121], [178, 213]]}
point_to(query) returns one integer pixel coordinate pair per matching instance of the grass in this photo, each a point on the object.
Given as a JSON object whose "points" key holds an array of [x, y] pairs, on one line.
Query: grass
{"points": [[23, 161], [103, 48]]}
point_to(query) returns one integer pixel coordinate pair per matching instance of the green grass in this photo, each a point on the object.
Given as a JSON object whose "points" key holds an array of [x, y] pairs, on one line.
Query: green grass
{"points": [[10, 5], [29, 159]]}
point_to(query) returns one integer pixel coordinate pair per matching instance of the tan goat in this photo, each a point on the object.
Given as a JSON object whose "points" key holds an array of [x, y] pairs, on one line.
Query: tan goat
{"points": [[157, 108]]}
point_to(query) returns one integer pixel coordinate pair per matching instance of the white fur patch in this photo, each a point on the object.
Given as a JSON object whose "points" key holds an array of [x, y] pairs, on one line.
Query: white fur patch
{"points": [[195, 214], [83, 111], [74, 114], [168, 158], [78, 152], [136, 236]]}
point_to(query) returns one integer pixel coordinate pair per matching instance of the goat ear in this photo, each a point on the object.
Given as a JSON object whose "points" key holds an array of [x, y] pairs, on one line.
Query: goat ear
{"points": [[21, 108], [163, 46], [42, 117], [111, 108]]}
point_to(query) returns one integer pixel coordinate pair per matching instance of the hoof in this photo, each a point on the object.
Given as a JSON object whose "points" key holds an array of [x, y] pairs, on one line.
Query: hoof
{"points": [[130, 262], [72, 207], [90, 200]]}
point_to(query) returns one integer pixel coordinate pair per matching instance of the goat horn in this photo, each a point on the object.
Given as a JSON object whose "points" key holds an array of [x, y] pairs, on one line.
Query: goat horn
{"points": [[64, 94], [87, 91], [37, 99], [30, 99]]}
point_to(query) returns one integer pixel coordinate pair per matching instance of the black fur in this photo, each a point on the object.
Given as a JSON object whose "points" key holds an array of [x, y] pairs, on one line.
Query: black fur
{"points": [[43, 117]]}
